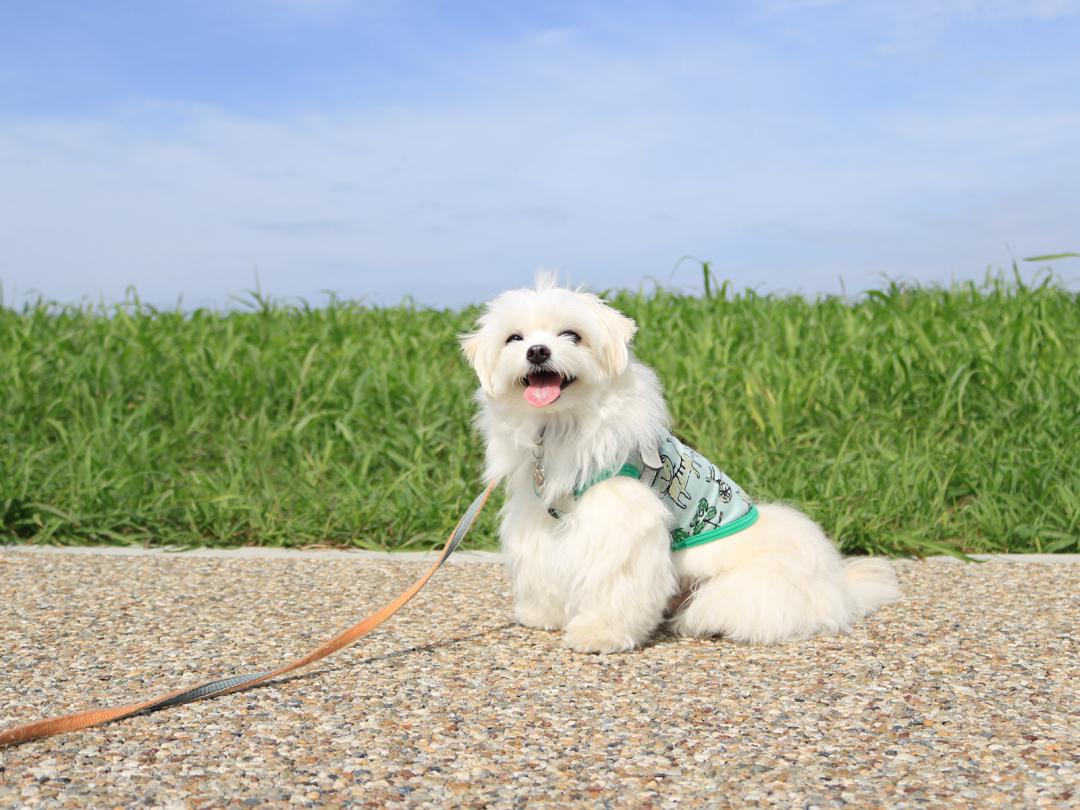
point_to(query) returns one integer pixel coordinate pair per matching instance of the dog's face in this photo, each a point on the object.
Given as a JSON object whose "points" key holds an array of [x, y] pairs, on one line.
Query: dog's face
{"points": [[547, 347]]}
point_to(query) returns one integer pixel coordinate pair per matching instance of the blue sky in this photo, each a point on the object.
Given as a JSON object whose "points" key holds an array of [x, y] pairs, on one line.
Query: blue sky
{"points": [[445, 151]]}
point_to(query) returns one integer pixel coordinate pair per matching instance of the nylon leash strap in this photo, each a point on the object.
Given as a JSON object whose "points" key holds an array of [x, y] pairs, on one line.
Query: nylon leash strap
{"points": [[224, 686]]}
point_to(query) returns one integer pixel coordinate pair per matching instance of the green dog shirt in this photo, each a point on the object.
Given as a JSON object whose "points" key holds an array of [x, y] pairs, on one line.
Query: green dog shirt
{"points": [[705, 503]]}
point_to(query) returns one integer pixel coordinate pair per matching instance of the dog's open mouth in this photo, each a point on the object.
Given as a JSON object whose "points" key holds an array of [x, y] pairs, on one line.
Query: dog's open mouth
{"points": [[544, 387]]}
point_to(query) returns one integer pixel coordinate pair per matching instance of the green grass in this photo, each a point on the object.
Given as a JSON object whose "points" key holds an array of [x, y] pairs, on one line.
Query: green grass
{"points": [[911, 420]]}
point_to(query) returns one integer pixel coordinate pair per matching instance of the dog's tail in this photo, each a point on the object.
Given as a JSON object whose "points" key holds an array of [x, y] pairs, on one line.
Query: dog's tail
{"points": [[872, 581]]}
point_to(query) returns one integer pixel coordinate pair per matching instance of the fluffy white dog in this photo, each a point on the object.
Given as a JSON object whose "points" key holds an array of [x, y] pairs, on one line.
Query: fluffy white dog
{"points": [[611, 526]]}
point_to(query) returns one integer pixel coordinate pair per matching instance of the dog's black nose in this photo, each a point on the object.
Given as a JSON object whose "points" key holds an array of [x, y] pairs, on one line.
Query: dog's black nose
{"points": [[538, 354]]}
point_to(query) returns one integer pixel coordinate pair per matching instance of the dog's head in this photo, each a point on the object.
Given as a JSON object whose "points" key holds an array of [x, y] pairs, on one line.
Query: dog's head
{"points": [[547, 346]]}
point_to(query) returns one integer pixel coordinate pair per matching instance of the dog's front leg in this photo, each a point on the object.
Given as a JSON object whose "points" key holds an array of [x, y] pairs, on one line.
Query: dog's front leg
{"points": [[618, 566], [528, 543]]}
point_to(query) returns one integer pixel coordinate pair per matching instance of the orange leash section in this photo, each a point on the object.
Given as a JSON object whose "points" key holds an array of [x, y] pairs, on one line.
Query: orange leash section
{"points": [[96, 717]]}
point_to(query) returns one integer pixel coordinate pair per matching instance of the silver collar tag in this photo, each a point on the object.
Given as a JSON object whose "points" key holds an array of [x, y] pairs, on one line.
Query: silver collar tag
{"points": [[538, 462]]}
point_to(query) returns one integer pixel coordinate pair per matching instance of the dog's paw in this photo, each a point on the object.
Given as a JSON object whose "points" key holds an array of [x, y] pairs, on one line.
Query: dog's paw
{"points": [[537, 617], [590, 635]]}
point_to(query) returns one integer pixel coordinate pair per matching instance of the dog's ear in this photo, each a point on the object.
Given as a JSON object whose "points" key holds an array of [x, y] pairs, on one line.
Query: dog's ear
{"points": [[618, 331], [472, 344]]}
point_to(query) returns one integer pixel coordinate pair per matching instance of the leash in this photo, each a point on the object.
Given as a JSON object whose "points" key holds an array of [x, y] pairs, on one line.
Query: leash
{"points": [[224, 686]]}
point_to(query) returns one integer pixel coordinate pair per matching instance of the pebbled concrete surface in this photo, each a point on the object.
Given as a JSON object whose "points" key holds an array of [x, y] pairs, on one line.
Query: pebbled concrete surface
{"points": [[963, 694]]}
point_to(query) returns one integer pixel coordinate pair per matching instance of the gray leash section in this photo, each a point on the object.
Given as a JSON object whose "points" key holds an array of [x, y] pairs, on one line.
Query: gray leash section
{"points": [[205, 690]]}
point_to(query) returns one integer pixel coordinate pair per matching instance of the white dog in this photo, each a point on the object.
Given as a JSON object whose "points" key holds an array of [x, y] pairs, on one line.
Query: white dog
{"points": [[611, 526]]}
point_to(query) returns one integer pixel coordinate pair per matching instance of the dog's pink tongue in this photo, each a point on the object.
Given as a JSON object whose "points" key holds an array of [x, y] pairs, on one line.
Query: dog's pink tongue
{"points": [[543, 389]]}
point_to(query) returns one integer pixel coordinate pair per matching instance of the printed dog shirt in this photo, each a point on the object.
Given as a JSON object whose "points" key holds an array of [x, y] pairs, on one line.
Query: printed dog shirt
{"points": [[705, 503]]}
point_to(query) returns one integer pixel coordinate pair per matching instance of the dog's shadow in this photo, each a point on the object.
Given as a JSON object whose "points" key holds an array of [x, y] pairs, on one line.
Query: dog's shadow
{"points": [[344, 667], [661, 639]]}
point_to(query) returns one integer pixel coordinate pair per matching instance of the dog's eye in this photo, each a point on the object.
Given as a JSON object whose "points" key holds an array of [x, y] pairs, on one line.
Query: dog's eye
{"points": [[514, 337], [570, 333]]}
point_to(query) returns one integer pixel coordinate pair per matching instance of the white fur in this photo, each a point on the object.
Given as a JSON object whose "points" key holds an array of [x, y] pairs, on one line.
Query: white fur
{"points": [[604, 573]]}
